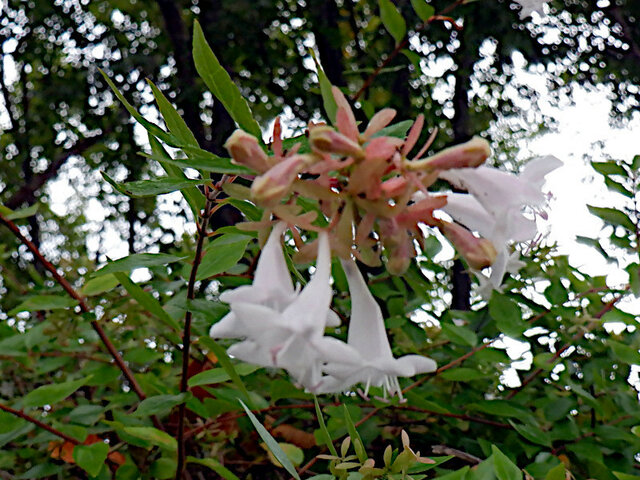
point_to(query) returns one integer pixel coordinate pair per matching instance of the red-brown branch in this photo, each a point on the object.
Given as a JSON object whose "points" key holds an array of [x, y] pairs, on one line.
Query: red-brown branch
{"points": [[81, 302], [38, 423]]}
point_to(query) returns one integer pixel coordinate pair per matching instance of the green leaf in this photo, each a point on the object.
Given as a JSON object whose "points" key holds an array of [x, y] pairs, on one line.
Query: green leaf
{"points": [[423, 9], [635, 163], [612, 216], [399, 130], [41, 470], [52, 394], [152, 128], [609, 168], [457, 475], [153, 187], [153, 436], [328, 102], [392, 20], [148, 301], [505, 469], [159, 405], [618, 187], [204, 161], [19, 214], [501, 408], [272, 445], [326, 437], [219, 82], [358, 446], [459, 335], [214, 465], [223, 253], [44, 302], [556, 293], [219, 375], [138, 260], [192, 195], [624, 353], [101, 284], [622, 476], [91, 458], [463, 374], [634, 277], [556, 473], [531, 433], [507, 315], [292, 452], [176, 124]]}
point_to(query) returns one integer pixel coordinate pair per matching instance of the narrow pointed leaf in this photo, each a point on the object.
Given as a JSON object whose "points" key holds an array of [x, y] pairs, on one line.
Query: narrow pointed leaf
{"points": [[326, 438], [138, 260], [329, 103], [272, 445], [219, 82], [176, 124], [152, 128], [153, 187], [355, 436], [52, 394], [214, 465], [392, 20]]}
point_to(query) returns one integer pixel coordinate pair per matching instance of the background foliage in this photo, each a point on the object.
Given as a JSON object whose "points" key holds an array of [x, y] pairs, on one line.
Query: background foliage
{"points": [[566, 401]]}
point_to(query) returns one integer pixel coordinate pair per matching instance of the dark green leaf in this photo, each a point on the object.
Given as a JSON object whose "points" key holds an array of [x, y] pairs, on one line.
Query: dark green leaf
{"points": [[392, 20], [633, 270], [326, 437], [148, 301], [153, 187], [153, 129], [624, 353], [176, 124], [423, 9], [159, 405], [531, 433], [41, 470], [459, 335], [463, 374], [556, 473], [505, 469], [52, 394], [609, 168], [138, 260], [506, 314], [223, 253], [214, 465], [91, 458], [272, 445], [219, 82], [329, 103], [44, 302], [101, 284], [612, 216], [203, 160], [153, 436], [356, 441], [219, 375], [192, 195]]}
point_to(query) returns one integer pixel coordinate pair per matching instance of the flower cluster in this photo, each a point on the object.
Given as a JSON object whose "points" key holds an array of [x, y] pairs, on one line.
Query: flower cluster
{"points": [[372, 194], [280, 326], [366, 198]]}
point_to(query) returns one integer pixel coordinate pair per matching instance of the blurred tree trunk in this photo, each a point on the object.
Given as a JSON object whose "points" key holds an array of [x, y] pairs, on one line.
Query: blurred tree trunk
{"points": [[462, 131]]}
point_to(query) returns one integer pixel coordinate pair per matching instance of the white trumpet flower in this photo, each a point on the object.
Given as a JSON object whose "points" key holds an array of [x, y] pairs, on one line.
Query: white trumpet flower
{"points": [[374, 363]]}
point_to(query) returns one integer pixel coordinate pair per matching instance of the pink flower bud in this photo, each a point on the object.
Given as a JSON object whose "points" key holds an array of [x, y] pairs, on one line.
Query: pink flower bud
{"points": [[478, 252], [269, 188], [245, 150], [467, 155], [326, 140]]}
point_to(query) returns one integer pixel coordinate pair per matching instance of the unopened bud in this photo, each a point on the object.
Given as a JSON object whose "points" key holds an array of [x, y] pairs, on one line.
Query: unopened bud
{"points": [[478, 252], [269, 188], [466, 155], [245, 150], [325, 139]]}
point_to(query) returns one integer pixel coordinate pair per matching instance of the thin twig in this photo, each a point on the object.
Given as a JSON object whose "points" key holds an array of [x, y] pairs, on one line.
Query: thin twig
{"points": [[532, 376], [38, 423], [81, 302], [440, 16], [186, 336]]}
